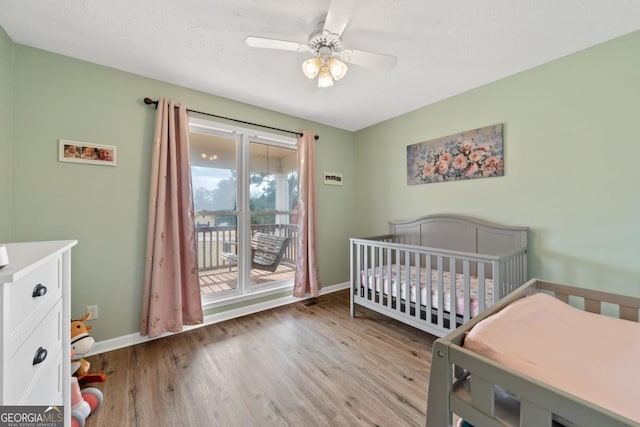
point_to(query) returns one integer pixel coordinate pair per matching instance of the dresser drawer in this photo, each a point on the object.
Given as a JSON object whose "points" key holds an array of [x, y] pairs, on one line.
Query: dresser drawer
{"points": [[22, 375], [46, 389], [27, 310]]}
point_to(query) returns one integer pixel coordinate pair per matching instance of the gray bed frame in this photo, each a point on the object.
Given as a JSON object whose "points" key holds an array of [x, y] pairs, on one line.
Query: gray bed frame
{"points": [[468, 385], [444, 244]]}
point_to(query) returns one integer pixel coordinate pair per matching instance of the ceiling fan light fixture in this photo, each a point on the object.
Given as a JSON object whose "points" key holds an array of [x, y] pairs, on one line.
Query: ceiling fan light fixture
{"points": [[311, 67], [329, 57], [324, 77], [338, 68]]}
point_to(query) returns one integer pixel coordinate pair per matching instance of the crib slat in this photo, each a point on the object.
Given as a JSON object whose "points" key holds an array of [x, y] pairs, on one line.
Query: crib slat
{"points": [[628, 313], [370, 266], [508, 279], [498, 291], [521, 270], [429, 289], [482, 298], [482, 395], [362, 267], [592, 305], [381, 275], [517, 268], [418, 292], [388, 264], [467, 291], [532, 415], [407, 268], [397, 270], [440, 292], [453, 294], [384, 265]]}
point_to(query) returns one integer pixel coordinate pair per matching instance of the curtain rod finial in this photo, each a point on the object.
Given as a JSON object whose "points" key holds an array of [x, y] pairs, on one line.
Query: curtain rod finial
{"points": [[150, 101]]}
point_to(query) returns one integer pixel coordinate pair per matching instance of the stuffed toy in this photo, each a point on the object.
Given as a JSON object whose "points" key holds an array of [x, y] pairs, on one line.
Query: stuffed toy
{"points": [[84, 402], [81, 344]]}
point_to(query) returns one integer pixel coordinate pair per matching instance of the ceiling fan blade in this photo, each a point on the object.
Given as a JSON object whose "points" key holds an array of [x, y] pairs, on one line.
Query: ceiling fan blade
{"points": [[367, 59], [339, 14], [265, 43]]}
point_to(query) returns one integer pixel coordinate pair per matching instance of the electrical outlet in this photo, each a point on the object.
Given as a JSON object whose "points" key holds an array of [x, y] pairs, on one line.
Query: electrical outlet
{"points": [[93, 309]]}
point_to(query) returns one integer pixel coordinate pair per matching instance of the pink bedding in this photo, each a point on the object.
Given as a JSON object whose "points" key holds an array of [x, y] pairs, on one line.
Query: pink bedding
{"points": [[592, 356], [373, 279]]}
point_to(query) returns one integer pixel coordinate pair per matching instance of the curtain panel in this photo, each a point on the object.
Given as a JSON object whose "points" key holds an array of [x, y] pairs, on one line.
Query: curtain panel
{"points": [[171, 293], [307, 280]]}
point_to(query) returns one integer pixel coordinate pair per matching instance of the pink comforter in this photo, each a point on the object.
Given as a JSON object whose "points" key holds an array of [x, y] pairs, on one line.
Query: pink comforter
{"points": [[592, 356]]}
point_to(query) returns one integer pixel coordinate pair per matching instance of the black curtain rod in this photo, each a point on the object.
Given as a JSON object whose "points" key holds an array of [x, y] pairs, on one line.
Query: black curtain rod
{"points": [[150, 101]]}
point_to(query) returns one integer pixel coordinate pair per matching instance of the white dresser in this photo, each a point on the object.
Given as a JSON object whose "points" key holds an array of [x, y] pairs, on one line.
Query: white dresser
{"points": [[35, 324]]}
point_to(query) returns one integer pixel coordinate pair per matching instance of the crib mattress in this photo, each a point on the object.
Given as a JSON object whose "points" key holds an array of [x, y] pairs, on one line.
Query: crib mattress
{"points": [[592, 356], [375, 278]]}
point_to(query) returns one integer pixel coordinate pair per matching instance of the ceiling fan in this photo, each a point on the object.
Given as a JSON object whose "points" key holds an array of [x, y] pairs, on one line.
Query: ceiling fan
{"points": [[325, 43]]}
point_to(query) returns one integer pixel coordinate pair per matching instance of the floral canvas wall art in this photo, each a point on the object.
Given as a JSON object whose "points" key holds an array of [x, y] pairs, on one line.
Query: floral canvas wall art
{"points": [[473, 154]]}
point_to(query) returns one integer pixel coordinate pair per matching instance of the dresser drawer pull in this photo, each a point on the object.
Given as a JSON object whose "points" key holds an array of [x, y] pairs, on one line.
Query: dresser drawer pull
{"points": [[41, 354], [39, 291]]}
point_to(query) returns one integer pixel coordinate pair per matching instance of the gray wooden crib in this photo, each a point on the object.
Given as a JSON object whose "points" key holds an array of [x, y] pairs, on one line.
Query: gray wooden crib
{"points": [[437, 271], [486, 393]]}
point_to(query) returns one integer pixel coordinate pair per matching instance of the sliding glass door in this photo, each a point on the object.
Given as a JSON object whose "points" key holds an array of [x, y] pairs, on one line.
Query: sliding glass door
{"points": [[245, 195], [273, 198]]}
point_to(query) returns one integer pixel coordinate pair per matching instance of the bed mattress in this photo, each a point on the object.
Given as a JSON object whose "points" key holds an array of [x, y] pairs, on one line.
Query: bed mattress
{"points": [[592, 356], [378, 278]]}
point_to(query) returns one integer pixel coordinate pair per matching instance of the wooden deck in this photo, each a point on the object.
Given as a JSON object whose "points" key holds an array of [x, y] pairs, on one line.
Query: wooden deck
{"points": [[224, 279]]}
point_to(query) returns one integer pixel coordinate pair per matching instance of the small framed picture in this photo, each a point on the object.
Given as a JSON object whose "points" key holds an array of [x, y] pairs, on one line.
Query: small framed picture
{"points": [[86, 152], [333, 178]]}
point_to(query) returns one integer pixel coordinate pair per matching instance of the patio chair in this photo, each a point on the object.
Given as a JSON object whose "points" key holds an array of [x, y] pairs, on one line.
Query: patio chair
{"points": [[266, 252]]}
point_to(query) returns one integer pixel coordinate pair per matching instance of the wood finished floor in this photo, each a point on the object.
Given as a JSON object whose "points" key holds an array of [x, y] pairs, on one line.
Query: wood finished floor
{"points": [[297, 365]]}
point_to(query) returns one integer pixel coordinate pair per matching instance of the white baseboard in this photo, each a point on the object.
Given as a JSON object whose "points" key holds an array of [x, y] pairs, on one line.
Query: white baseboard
{"points": [[136, 338]]}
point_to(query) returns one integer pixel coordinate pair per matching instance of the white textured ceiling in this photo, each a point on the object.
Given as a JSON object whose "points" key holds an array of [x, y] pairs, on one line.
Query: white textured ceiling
{"points": [[444, 47]]}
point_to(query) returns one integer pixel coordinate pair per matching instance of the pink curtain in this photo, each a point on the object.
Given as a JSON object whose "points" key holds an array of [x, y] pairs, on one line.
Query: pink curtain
{"points": [[171, 295], [307, 281]]}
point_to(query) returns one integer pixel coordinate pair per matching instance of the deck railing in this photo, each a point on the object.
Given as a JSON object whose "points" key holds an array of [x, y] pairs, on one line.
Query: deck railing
{"points": [[212, 240]]}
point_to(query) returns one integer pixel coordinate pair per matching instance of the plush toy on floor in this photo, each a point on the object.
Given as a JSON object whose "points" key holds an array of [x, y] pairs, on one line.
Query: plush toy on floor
{"points": [[84, 402], [81, 344]]}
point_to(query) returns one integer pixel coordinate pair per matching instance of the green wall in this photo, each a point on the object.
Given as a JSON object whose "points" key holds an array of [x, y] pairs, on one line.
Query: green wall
{"points": [[570, 169], [6, 91], [105, 208], [571, 165]]}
